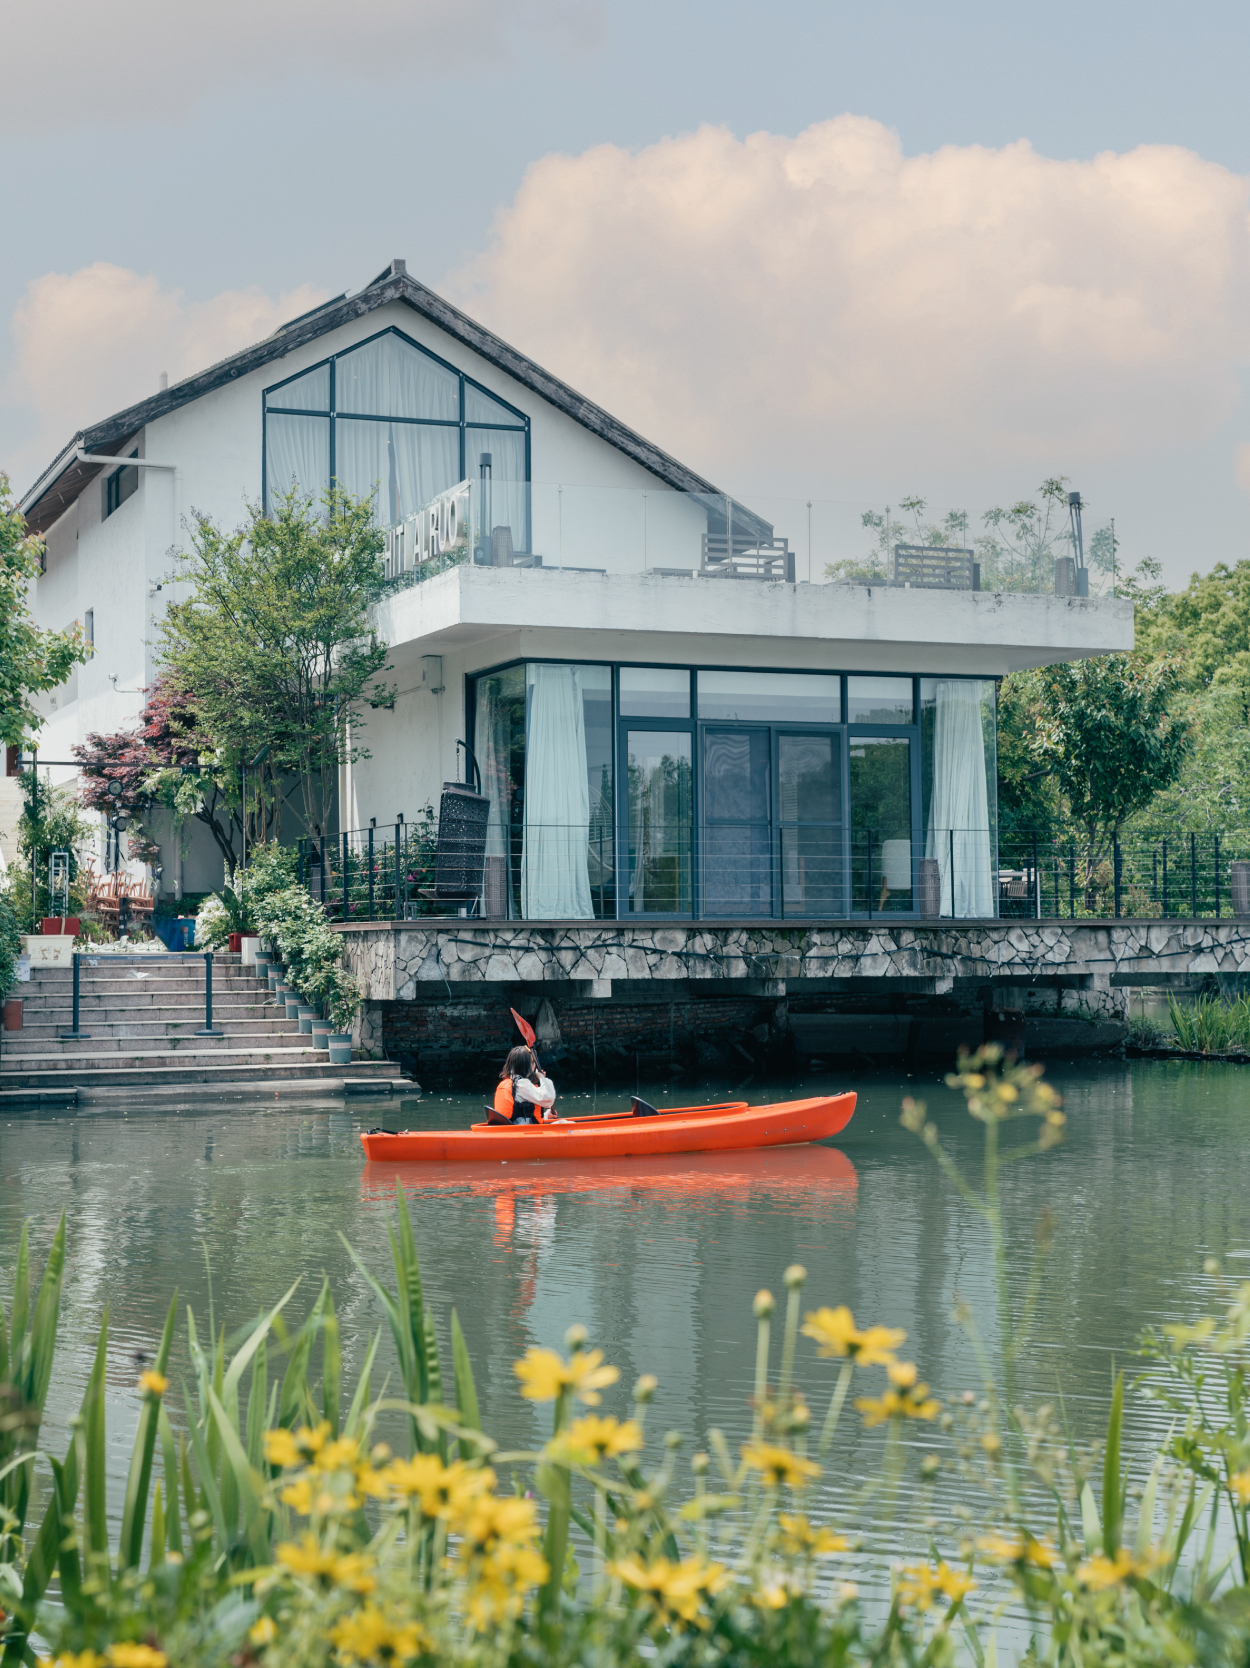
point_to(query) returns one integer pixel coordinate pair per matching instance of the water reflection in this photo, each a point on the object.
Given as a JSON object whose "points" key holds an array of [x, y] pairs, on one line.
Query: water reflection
{"points": [[659, 1257]]}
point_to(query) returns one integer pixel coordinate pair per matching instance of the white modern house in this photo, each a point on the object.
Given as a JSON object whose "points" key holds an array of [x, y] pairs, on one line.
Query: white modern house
{"points": [[671, 716]]}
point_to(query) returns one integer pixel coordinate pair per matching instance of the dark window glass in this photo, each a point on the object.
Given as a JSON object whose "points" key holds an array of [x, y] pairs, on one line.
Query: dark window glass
{"points": [[658, 822], [881, 849], [735, 775]]}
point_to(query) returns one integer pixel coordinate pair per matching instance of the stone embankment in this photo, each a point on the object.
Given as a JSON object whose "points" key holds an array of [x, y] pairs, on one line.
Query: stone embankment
{"points": [[711, 995]]}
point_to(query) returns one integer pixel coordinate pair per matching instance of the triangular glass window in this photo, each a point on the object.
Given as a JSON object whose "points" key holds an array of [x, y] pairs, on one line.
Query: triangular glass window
{"points": [[387, 378], [310, 392], [480, 408]]}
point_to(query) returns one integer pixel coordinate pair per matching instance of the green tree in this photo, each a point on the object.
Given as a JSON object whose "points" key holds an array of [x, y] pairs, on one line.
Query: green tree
{"points": [[1107, 732], [274, 646], [1029, 803], [31, 661], [1207, 624]]}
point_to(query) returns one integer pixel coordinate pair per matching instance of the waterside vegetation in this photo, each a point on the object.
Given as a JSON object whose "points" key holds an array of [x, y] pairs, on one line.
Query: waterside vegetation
{"points": [[267, 1521]]}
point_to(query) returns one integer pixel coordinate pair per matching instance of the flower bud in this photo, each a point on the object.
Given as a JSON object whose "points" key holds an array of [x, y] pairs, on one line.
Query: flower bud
{"points": [[673, 1440], [763, 1305], [646, 1387], [575, 1337], [794, 1276], [1211, 1265], [700, 1464]]}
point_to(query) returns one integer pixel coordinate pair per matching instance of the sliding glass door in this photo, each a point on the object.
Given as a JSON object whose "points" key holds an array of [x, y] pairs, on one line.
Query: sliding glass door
{"points": [[659, 821], [882, 849], [809, 824], [736, 822]]}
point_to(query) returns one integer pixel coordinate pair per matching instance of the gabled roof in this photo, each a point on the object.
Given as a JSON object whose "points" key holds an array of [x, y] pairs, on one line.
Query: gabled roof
{"points": [[68, 473]]}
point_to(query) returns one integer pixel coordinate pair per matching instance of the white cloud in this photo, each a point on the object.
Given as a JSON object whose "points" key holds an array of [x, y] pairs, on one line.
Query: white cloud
{"points": [[826, 304], [92, 342], [80, 61]]}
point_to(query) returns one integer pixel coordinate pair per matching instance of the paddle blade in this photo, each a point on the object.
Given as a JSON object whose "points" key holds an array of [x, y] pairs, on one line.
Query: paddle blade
{"points": [[525, 1028]]}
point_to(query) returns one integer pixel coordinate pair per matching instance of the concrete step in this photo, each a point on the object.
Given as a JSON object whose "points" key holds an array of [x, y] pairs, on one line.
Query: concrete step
{"points": [[156, 1021], [230, 1073], [114, 1039], [199, 1051], [147, 1013]]}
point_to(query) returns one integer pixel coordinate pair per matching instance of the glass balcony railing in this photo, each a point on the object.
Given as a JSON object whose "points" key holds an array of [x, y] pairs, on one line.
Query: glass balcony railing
{"points": [[709, 536]]}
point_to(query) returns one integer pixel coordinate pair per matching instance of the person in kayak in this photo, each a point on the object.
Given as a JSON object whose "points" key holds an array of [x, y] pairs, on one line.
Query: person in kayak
{"points": [[524, 1095]]}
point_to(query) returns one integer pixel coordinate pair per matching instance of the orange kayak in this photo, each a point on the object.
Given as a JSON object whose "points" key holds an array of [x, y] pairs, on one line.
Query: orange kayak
{"points": [[682, 1129]]}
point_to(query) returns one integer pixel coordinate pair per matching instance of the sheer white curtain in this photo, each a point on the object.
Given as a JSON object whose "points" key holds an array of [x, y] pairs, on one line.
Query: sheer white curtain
{"points": [[509, 490], [408, 463], [555, 880], [959, 818], [491, 749], [297, 453]]}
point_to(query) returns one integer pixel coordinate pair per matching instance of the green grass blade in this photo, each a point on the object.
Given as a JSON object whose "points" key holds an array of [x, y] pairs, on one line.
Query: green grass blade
{"points": [[44, 1324], [257, 1337], [257, 1407], [94, 1509], [1112, 1482], [246, 1483], [191, 1500], [39, 1571], [21, 1292], [156, 1556], [331, 1363], [173, 1515], [229, 1488], [1091, 1523], [400, 1330], [69, 1564], [360, 1401], [208, 1479], [466, 1389], [294, 1401], [135, 1511], [1146, 1512]]}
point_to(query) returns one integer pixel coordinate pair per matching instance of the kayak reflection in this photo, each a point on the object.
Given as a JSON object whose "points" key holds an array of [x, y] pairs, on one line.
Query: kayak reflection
{"points": [[808, 1177]]}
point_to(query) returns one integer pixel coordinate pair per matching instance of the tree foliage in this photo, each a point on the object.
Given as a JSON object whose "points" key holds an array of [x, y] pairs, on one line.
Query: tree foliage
{"points": [[31, 661], [1107, 732], [275, 643]]}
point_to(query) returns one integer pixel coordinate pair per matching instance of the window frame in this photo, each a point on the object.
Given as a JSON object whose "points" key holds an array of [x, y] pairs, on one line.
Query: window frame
{"points": [[332, 414], [113, 483]]}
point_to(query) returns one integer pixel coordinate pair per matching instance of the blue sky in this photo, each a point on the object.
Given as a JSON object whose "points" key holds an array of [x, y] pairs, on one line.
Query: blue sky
{"points": [[275, 150]]}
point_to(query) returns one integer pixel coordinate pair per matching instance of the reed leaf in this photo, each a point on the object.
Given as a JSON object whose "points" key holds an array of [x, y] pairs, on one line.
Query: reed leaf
{"points": [[357, 1413], [173, 1515], [21, 1291], [135, 1511], [1112, 1482], [246, 1485], [69, 1563], [208, 1480], [95, 1520], [331, 1362], [466, 1389], [295, 1401], [156, 1556], [258, 1407], [255, 1340], [40, 1567]]}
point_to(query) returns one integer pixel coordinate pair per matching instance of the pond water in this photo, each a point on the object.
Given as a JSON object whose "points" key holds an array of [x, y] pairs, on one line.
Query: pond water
{"points": [[660, 1259]]}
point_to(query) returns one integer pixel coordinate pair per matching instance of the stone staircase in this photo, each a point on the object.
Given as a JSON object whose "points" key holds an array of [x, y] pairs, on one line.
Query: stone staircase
{"points": [[140, 1019]]}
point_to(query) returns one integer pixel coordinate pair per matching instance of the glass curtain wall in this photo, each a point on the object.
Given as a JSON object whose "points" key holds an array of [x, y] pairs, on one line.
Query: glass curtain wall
{"points": [[543, 742], [743, 794], [389, 418]]}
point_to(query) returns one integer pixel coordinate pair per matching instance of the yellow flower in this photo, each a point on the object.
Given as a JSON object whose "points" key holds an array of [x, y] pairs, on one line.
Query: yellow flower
{"points": [[153, 1382], [299, 1496], [835, 1333], [902, 1374], [673, 1589], [339, 1455], [281, 1449], [544, 1374], [445, 1491], [778, 1465], [73, 1659], [373, 1635], [803, 1540], [135, 1656], [1018, 1549], [593, 1438], [263, 1632], [913, 1403], [919, 1585], [332, 1569], [772, 1595], [1240, 1485], [1100, 1572]]}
